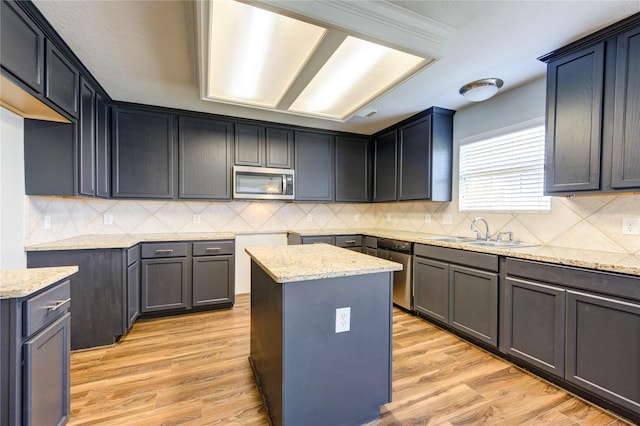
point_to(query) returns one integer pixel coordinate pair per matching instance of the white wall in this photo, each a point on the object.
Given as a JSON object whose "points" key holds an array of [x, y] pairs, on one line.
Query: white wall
{"points": [[12, 199], [243, 261]]}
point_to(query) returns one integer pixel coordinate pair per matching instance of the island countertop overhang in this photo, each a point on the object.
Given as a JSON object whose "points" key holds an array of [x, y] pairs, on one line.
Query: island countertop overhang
{"points": [[294, 263]]}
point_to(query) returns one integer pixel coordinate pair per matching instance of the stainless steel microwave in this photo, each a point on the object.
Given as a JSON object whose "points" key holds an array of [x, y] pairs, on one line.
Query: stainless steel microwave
{"points": [[260, 183]]}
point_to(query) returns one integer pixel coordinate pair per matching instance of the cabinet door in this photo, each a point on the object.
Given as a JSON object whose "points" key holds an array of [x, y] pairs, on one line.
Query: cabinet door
{"points": [[279, 148], [49, 158], [575, 85], [473, 303], [314, 167], [626, 131], [87, 140], [385, 167], [213, 280], [352, 169], [133, 293], [164, 285], [431, 288], [21, 46], [204, 158], [603, 347], [46, 375], [249, 145], [103, 149], [62, 81], [534, 324], [142, 154], [414, 168]]}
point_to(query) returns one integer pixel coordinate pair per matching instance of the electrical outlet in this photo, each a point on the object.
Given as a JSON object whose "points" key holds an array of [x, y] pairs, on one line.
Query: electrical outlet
{"points": [[47, 222], [427, 218], [631, 226], [343, 319], [356, 218], [388, 217], [447, 219], [107, 219], [196, 218]]}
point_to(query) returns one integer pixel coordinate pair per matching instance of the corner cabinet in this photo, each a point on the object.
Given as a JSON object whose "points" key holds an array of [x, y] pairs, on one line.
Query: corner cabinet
{"points": [[593, 101], [143, 154], [314, 154], [413, 160]]}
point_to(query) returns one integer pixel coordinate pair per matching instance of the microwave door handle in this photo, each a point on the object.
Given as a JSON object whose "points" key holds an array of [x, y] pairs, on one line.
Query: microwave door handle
{"points": [[284, 184]]}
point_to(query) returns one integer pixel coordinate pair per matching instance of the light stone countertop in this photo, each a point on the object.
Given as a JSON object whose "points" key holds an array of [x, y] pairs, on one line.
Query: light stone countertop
{"points": [[116, 241], [622, 263], [19, 283], [316, 261]]}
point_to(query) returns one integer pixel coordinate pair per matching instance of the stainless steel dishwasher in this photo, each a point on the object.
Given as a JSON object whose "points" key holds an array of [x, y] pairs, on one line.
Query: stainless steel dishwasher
{"points": [[401, 252]]}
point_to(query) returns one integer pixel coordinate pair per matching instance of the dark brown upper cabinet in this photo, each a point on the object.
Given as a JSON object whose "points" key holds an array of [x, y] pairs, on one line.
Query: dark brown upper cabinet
{"points": [[593, 105]]}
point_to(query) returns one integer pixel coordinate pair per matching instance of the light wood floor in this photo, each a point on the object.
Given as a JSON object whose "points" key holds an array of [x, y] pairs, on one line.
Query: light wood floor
{"points": [[193, 370]]}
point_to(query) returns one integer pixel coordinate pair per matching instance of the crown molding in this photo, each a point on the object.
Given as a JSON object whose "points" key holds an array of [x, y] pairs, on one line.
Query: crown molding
{"points": [[378, 21]]}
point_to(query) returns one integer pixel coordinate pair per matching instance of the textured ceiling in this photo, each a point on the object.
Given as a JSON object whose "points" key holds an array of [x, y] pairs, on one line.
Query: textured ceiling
{"points": [[143, 51]]}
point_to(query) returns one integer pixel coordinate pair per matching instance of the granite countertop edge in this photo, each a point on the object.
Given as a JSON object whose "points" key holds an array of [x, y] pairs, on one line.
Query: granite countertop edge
{"points": [[622, 263], [20, 283], [286, 264]]}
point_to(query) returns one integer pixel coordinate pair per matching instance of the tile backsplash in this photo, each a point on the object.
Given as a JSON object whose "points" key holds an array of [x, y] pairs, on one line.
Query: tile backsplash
{"points": [[589, 222]]}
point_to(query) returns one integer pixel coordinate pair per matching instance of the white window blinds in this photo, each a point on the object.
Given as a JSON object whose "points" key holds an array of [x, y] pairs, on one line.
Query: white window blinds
{"points": [[504, 173]]}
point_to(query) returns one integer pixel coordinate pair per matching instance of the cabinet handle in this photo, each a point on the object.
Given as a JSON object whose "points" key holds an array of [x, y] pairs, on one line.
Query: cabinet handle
{"points": [[213, 249], [350, 241], [160, 251], [57, 304]]}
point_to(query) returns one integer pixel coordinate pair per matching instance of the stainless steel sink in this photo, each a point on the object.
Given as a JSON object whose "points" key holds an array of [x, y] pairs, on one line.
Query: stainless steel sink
{"points": [[500, 244], [450, 239]]}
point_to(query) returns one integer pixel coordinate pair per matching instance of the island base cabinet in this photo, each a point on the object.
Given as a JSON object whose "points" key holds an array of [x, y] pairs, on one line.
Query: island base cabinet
{"points": [[307, 373], [473, 303], [603, 347], [534, 324], [46, 373]]}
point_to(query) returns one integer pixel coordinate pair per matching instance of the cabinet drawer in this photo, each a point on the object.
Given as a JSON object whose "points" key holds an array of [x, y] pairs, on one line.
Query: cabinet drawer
{"points": [[133, 255], [349, 240], [42, 309], [471, 259], [213, 248], [156, 250], [371, 242]]}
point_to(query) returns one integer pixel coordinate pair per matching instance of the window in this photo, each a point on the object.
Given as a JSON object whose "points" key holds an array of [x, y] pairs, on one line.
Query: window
{"points": [[503, 171]]}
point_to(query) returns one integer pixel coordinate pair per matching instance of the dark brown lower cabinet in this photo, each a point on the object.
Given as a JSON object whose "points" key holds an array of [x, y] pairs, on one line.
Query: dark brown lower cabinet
{"points": [[603, 347], [164, 284], [535, 324], [34, 362], [464, 298]]}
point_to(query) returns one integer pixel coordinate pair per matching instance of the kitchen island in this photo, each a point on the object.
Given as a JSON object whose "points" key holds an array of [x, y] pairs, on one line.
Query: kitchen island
{"points": [[321, 325]]}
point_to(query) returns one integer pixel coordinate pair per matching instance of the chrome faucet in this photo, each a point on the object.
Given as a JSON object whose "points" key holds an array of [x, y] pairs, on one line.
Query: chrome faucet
{"points": [[487, 234]]}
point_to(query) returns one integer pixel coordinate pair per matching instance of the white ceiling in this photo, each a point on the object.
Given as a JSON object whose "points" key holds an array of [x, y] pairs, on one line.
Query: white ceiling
{"points": [[144, 51]]}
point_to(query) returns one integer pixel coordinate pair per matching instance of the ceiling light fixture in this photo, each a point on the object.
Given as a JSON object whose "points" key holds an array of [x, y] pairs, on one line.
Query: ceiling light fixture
{"points": [[256, 57], [481, 90]]}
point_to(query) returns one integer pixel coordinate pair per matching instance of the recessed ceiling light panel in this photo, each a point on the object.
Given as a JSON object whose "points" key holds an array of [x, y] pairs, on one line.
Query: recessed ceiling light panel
{"points": [[357, 72], [254, 54]]}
